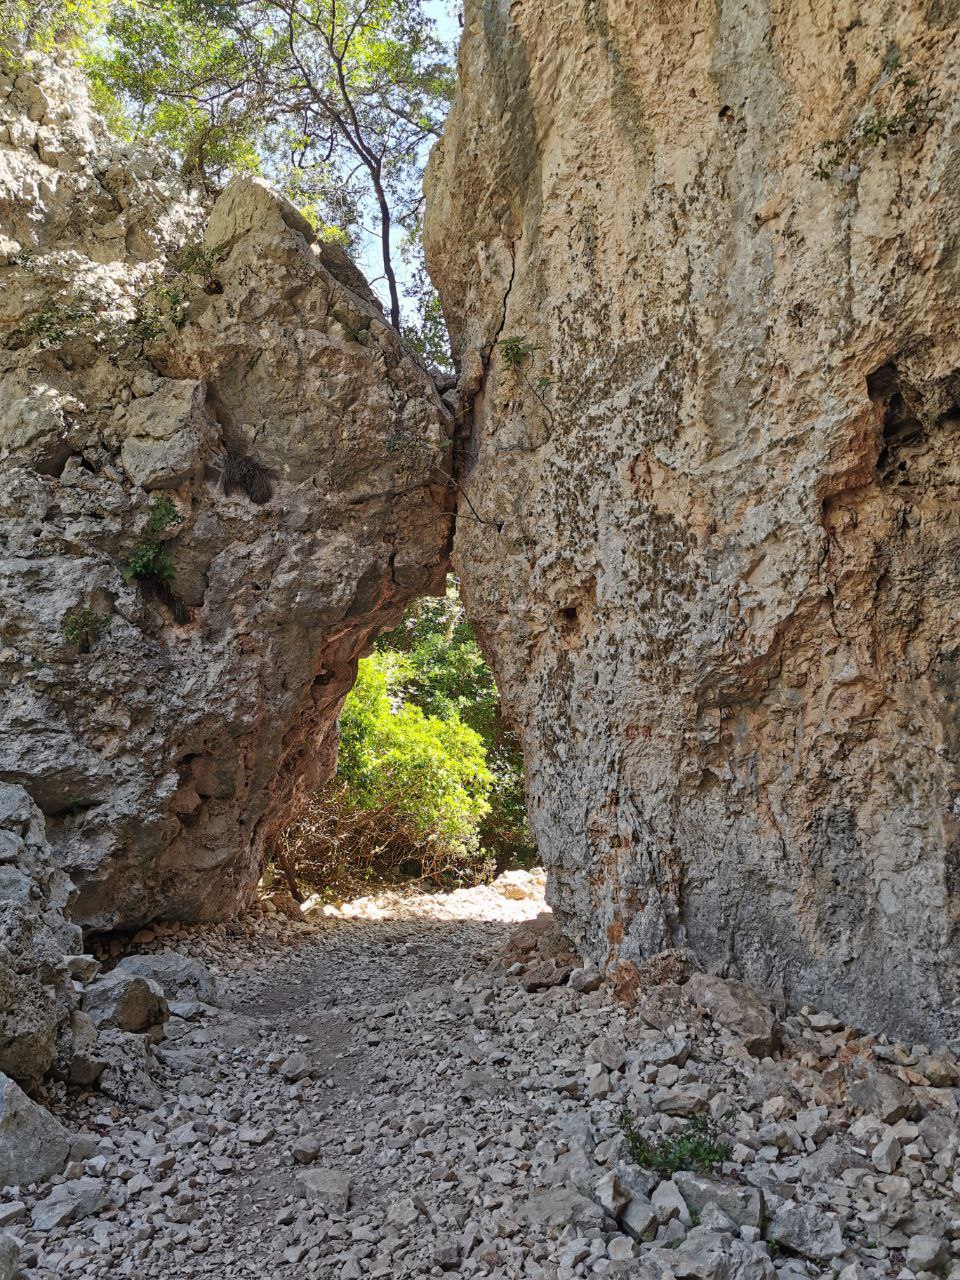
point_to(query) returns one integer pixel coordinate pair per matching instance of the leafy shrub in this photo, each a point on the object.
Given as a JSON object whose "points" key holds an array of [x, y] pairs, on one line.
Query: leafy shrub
{"points": [[410, 793], [81, 314], [436, 663], [163, 514], [27, 25], [149, 560], [430, 769], [516, 349], [700, 1145], [430, 779], [908, 108]]}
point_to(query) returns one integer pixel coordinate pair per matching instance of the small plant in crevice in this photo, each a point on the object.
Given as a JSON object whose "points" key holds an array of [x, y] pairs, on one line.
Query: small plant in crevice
{"points": [[402, 440], [116, 322], [150, 564], [700, 1145], [516, 350], [81, 627], [907, 108], [350, 331], [201, 263], [248, 475], [81, 314], [163, 514]]}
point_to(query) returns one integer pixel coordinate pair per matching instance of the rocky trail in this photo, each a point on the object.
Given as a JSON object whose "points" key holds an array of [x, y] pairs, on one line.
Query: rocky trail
{"points": [[413, 1086]]}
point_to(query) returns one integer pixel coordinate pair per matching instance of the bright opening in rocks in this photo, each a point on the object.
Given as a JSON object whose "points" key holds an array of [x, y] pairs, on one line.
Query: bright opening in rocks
{"points": [[429, 788]]}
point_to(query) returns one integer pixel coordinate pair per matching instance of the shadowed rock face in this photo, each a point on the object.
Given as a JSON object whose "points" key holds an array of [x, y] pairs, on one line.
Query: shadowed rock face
{"points": [[36, 995], [239, 413], [725, 456]]}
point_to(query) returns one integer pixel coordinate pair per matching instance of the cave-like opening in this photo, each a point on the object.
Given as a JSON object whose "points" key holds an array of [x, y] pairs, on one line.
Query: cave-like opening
{"points": [[429, 786]]}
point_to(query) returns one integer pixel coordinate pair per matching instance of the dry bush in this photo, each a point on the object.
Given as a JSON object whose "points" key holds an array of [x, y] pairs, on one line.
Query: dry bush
{"points": [[340, 851]]}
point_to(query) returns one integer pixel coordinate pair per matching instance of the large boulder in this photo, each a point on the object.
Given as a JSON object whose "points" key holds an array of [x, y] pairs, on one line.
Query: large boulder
{"points": [[738, 1010], [221, 474], [36, 996], [125, 1001], [33, 1143], [177, 975], [700, 266]]}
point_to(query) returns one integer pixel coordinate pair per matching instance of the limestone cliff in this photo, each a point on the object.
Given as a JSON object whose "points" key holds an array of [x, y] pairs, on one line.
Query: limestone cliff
{"points": [[717, 459], [218, 480]]}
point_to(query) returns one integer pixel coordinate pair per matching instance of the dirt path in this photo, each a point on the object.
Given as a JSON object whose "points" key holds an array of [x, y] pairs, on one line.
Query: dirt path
{"points": [[247, 1164], [387, 1097]]}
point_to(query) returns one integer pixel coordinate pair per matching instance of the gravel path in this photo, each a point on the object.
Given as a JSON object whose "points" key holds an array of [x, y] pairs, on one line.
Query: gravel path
{"points": [[389, 1094]]}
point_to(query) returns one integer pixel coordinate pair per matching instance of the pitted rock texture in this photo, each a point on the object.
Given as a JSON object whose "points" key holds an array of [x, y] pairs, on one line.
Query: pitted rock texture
{"points": [[36, 994], [723, 455], [222, 396]]}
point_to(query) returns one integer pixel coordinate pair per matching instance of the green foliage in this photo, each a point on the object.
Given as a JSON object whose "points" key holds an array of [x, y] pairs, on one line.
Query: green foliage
{"points": [[163, 514], [516, 350], [150, 560], [908, 108], [430, 771], [435, 662], [428, 334], [700, 1145], [150, 563], [80, 313], [410, 793], [40, 25], [81, 627], [430, 781], [200, 263]]}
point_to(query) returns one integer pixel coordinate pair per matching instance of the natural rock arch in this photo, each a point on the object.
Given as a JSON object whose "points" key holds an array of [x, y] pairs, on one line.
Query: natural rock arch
{"points": [[280, 452]]}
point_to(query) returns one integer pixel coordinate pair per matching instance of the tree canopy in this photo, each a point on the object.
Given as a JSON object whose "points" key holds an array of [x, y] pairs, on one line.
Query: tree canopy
{"points": [[336, 101]]}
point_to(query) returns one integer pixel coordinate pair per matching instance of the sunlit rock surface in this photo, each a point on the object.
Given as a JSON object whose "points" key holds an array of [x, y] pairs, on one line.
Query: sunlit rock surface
{"points": [[716, 473], [221, 395]]}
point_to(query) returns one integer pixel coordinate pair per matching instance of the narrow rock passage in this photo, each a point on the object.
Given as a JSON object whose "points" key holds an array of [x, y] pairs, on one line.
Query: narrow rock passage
{"points": [[331, 1074], [409, 1089]]}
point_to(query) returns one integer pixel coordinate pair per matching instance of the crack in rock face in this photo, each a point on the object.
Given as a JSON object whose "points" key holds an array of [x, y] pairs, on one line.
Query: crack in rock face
{"points": [[218, 481], [716, 410]]}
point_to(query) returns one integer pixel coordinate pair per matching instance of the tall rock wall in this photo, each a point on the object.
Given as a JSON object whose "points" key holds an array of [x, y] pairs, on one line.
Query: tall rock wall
{"points": [[716, 473], [218, 481]]}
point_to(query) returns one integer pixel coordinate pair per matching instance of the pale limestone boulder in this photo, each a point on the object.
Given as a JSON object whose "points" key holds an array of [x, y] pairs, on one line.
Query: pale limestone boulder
{"points": [[738, 1010], [33, 1144], [167, 436], [806, 1229], [743, 1205], [177, 975], [69, 1202], [125, 1001], [714, 547]]}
